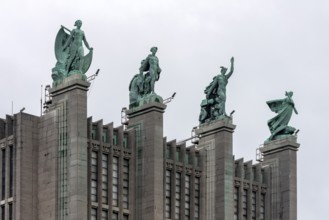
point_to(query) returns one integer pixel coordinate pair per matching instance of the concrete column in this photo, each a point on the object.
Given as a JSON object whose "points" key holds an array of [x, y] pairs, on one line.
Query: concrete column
{"points": [[281, 157], [216, 142], [70, 103], [147, 120]]}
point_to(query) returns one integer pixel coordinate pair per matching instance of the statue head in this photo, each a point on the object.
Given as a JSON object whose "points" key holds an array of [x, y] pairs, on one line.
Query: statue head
{"points": [[154, 50], [78, 23], [289, 94], [223, 70]]}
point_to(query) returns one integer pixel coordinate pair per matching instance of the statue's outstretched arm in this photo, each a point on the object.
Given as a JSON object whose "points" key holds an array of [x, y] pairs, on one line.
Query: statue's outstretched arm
{"points": [[232, 68], [295, 110]]}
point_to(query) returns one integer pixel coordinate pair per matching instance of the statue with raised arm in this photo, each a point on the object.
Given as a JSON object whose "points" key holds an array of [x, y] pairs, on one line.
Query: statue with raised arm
{"points": [[151, 64], [213, 107], [279, 124], [70, 53]]}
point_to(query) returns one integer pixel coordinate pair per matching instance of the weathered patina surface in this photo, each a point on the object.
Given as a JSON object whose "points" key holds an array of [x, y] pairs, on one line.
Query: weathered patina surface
{"points": [[141, 87], [69, 53], [213, 107], [279, 124]]}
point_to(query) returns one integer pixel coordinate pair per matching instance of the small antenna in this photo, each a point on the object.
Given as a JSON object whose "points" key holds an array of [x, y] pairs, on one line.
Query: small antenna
{"points": [[41, 101], [167, 100]]}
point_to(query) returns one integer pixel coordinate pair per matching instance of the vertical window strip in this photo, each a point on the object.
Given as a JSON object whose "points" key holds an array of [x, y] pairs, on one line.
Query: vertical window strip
{"points": [[125, 192], [168, 194], [236, 203], [11, 170], [262, 207], [187, 196], [104, 178], [105, 215], [197, 198], [253, 205], [115, 216], [3, 175], [94, 176], [10, 211], [125, 141], [115, 181], [3, 214], [93, 214], [177, 196], [244, 204]]}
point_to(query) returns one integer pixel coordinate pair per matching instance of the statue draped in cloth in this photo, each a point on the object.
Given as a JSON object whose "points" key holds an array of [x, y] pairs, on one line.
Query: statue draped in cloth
{"points": [[279, 124], [70, 53], [213, 107]]}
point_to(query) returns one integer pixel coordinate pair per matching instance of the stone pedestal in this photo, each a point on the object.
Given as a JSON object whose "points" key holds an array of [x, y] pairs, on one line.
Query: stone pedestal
{"points": [[68, 113], [217, 154], [281, 158], [147, 120]]}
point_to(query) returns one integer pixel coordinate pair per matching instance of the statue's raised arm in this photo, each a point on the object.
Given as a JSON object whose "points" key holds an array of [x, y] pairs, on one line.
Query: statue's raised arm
{"points": [[278, 125], [231, 69], [213, 107], [69, 53]]}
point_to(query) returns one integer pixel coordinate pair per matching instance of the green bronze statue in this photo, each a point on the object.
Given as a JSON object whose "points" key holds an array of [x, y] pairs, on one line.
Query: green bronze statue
{"points": [[213, 107], [141, 86], [69, 53], [279, 124]]}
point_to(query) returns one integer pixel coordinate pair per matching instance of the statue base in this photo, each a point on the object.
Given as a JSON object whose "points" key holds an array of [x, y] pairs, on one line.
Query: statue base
{"points": [[152, 97]]}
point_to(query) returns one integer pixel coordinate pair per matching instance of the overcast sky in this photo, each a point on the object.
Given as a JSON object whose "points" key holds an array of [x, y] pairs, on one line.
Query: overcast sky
{"points": [[278, 45]]}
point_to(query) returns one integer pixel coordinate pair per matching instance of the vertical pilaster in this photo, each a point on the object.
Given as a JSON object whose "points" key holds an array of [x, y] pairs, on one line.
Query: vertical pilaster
{"points": [[70, 103], [147, 120], [216, 142], [281, 157]]}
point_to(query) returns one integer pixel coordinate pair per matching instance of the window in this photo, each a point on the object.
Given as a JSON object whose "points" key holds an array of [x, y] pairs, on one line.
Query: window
{"points": [[168, 152], [187, 196], [197, 160], [115, 181], [262, 207], [93, 214], [253, 205], [105, 215], [3, 174], [3, 212], [178, 154], [197, 198], [125, 141], [245, 204], [11, 170], [125, 192], [94, 175], [10, 211], [168, 194], [125, 217], [115, 216], [115, 137], [187, 158], [177, 195], [105, 136], [236, 203], [104, 178], [93, 133]]}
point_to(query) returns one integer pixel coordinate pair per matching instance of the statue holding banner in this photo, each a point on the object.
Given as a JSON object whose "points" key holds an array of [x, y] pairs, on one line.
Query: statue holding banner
{"points": [[69, 53]]}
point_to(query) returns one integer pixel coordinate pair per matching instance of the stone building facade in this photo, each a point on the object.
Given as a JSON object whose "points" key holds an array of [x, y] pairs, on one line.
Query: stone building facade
{"points": [[63, 166]]}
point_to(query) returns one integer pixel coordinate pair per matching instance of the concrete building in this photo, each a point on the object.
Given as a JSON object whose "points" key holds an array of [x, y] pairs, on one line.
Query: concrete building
{"points": [[64, 166]]}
